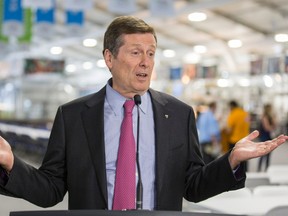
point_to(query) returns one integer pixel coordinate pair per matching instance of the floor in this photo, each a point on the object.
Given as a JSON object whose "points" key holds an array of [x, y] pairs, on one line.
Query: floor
{"points": [[7, 204]]}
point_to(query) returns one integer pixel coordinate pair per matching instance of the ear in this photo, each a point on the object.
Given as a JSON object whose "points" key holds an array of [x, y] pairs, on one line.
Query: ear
{"points": [[108, 57]]}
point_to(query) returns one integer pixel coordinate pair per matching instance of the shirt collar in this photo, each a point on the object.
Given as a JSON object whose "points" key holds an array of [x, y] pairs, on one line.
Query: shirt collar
{"points": [[116, 100]]}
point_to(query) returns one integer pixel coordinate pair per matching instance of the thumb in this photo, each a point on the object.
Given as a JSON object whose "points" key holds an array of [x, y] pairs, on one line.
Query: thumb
{"points": [[252, 135]]}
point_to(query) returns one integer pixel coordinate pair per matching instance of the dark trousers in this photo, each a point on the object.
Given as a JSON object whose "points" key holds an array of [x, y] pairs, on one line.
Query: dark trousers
{"points": [[264, 159]]}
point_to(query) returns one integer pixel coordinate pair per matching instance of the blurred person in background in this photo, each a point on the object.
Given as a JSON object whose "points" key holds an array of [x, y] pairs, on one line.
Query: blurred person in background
{"points": [[238, 124], [209, 133], [267, 126]]}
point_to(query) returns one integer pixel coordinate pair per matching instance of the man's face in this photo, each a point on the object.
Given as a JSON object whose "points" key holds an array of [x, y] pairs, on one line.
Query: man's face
{"points": [[132, 68]]}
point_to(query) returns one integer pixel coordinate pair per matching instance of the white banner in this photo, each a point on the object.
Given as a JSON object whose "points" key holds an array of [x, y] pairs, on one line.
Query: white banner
{"points": [[44, 29], [12, 25], [122, 6], [12, 28], [41, 4], [162, 8], [78, 5]]}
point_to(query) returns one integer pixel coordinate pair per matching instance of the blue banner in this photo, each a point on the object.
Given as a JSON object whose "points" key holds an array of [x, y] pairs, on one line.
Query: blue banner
{"points": [[45, 15], [13, 11], [75, 17]]}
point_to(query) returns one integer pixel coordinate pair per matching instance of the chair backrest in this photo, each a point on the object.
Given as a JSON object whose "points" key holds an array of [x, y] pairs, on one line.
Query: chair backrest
{"points": [[278, 211], [270, 190], [251, 183], [277, 168], [278, 174], [240, 193]]}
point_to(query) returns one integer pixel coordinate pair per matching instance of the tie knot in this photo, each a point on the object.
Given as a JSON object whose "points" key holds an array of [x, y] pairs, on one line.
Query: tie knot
{"points": [[129, 105]]}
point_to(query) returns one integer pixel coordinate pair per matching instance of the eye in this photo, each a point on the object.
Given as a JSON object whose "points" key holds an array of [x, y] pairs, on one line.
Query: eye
{"points": [[151, 54], [135, 52]]}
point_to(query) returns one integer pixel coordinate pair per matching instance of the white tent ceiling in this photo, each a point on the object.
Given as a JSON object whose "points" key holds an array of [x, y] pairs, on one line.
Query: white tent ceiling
{"points": [[254, 22]]}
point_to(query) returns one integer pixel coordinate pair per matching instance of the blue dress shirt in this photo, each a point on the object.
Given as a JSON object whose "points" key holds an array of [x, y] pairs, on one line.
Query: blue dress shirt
{"points": [[113, 115]]}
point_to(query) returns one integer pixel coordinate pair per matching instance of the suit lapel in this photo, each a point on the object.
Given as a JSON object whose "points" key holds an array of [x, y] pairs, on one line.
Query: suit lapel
{"points": [[162, 137], [93, 120]]}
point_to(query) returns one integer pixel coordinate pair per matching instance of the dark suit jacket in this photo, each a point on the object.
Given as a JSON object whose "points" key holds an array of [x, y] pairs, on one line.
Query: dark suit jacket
{"points": [[75, 159]]}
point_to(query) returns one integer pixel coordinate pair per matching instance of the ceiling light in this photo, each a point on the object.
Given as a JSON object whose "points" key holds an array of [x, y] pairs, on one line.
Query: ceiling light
{"points": [[168, 53], [200, 49], [70, 68], [281, 38], [101, 63], [197, 17], [192, 58], [87, 65], [89, 42], [56, 50], [223, 83], [268, 82], [235, 43]]}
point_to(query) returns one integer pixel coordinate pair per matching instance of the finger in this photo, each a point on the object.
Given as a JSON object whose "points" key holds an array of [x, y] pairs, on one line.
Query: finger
{"points": [[280, 140], [268, 146], [252, 135], [272, 144], [282, 136]]}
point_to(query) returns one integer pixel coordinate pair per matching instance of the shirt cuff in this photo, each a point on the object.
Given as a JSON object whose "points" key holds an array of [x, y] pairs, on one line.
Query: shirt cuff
{"points": [[4, 177], [235, 170], [238, 173]]}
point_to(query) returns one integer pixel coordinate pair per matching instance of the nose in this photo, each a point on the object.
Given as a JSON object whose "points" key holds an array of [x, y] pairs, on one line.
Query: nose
{"points": [[145, 61]]}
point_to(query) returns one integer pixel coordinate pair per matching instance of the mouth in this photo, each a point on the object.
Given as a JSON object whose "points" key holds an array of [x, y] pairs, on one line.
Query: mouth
{"points": [[141, 75]]}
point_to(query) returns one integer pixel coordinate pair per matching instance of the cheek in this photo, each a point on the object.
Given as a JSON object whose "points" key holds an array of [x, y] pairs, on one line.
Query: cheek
{"points": [[123, 65]]}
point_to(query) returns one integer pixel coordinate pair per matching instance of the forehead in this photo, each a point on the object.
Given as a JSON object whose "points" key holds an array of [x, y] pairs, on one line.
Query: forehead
{"points": [[139, 39]]}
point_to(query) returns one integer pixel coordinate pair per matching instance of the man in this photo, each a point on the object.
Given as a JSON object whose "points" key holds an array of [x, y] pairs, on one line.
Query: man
{"points": [[83, 145], [209, 133], [238, 123]]}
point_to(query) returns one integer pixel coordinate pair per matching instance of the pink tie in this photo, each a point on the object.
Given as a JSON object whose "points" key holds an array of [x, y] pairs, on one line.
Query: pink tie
{"points": [[125, 189]]}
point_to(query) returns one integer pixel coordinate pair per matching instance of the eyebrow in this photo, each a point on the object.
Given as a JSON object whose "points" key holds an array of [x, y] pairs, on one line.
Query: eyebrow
{"points": [[152, 46]]}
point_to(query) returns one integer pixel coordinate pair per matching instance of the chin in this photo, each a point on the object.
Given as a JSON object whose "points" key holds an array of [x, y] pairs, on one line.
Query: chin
{"points": [[141, 91], [142, 86]]}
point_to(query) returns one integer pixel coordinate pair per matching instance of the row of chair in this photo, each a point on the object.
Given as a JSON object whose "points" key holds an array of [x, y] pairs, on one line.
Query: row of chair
{"points": [[278, 211], [25, 143], [259, 201], [275, 175], [258, 191]]}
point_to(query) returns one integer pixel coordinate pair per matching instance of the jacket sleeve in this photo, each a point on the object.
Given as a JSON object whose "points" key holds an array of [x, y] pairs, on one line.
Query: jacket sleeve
{"points": [[204, 181], [45, 186]]}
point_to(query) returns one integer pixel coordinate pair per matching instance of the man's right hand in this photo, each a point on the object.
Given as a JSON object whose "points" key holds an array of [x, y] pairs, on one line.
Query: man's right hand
{"points": [[6, 155]]}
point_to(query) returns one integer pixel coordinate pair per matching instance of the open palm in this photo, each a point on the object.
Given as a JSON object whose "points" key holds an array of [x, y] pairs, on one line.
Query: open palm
{"points": [[246, 148]]}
